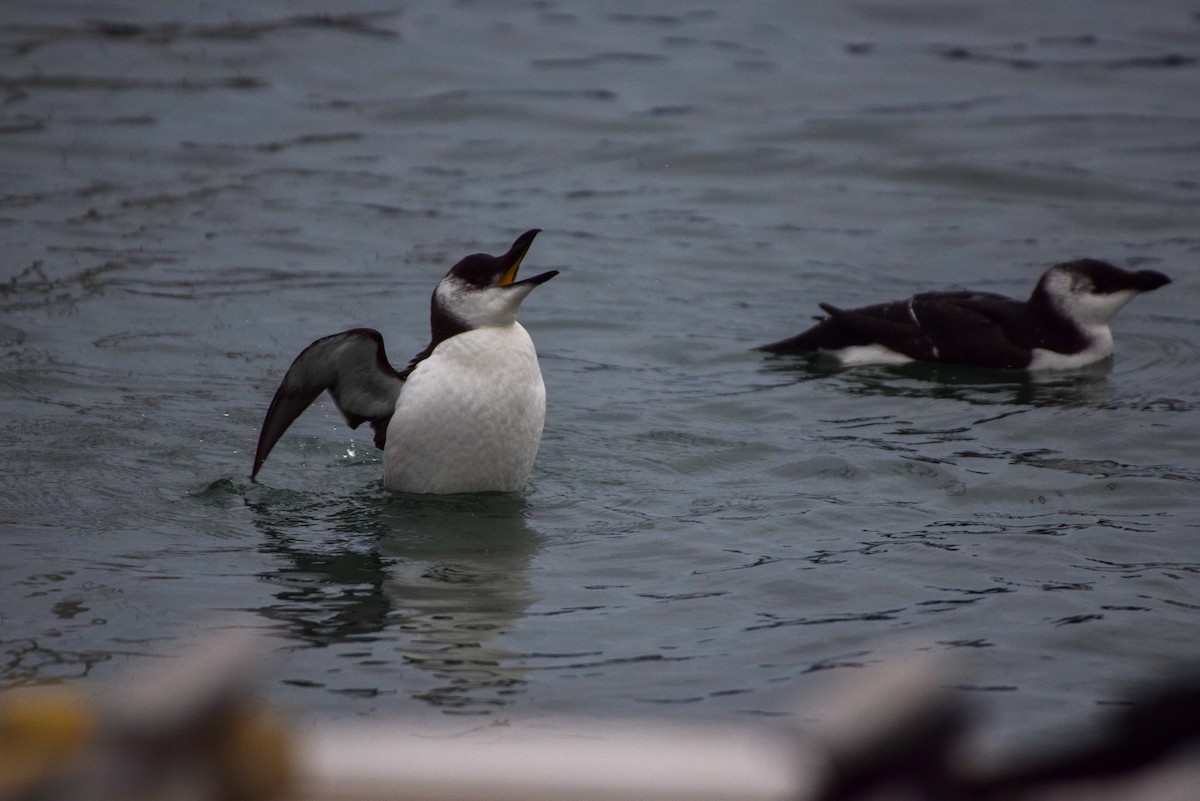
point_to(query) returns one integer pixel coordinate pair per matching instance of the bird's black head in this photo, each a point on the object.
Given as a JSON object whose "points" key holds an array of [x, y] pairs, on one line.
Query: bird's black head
{"points": [[482, 290], [1103, 278], [1090, 291], [481, 270]]}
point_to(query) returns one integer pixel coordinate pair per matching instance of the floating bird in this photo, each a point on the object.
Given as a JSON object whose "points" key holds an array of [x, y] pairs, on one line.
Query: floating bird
{"points": [[466, 414], [1063, 324]]}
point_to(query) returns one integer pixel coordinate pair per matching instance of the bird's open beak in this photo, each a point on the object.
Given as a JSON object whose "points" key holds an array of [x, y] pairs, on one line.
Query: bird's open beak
{"points": [[514, 257]]}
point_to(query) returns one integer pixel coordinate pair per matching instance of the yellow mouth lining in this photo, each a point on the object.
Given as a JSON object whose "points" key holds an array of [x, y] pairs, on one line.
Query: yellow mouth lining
{"points": [[510, 275]]}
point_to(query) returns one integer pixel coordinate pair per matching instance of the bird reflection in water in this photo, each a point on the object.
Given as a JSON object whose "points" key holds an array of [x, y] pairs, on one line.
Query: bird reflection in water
{"points": [[1084, 386], [439, 578]]}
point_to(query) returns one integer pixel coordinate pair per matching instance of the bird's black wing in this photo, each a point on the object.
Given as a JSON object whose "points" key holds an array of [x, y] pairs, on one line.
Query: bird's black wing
{"points": [[976, 328], [353, 366], [889, 324]]}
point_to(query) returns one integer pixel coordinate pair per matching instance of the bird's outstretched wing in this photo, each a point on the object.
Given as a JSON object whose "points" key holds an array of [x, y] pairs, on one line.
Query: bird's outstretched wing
{"points": [[354, 368]]}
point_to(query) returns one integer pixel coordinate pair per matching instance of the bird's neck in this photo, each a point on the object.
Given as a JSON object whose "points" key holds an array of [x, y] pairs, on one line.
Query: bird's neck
{"points": [[443, 325], [1061, 331]]}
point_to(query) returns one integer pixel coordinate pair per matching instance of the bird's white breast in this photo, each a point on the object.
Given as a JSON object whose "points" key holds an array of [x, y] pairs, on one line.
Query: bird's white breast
{"points": [[1100, 346], [470, 416]]}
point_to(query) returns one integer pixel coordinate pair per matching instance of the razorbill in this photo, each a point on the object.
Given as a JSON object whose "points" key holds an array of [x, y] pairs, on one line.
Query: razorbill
{"points": [[1063, 324], [466, 414]]}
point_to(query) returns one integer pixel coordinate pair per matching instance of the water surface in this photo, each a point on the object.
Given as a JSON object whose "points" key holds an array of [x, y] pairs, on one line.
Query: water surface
{"points": [[190, 195]]}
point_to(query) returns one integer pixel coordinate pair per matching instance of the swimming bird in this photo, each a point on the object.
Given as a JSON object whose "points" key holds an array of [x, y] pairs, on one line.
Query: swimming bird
{"points": [[1063, 324], [466, 414]]}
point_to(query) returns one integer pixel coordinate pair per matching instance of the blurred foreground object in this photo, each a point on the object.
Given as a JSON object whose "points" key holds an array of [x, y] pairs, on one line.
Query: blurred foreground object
{"points": [[189, 731], [193, 731]]}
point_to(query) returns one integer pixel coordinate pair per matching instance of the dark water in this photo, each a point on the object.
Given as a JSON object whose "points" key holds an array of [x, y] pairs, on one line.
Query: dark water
{"points": [[188, 196]]}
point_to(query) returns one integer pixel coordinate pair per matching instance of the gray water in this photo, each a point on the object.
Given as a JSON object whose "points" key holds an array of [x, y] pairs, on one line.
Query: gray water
{"points": [[188, 196]]}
